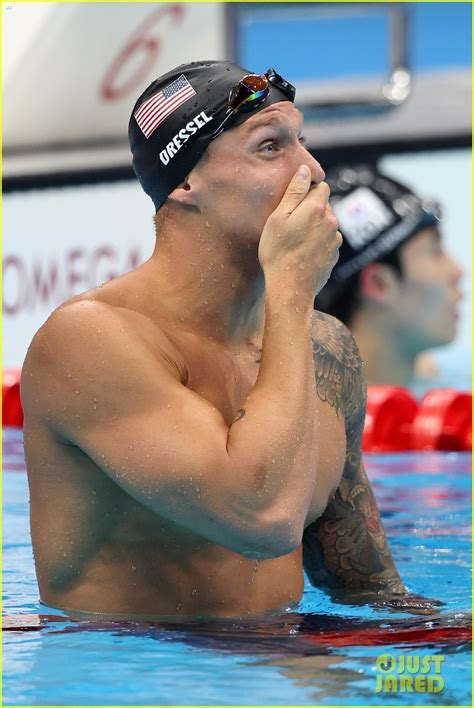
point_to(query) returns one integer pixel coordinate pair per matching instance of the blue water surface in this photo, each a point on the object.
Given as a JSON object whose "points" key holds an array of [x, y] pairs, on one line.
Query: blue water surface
{"points": [[321, 654]]}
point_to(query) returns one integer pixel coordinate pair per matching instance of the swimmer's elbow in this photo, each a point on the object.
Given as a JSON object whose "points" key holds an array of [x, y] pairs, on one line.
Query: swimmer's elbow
{"points": [[273, 538]]}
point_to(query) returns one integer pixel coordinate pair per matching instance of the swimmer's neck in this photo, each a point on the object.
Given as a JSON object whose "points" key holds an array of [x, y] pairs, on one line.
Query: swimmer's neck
{"points": [[210, 286], [386, 355]]}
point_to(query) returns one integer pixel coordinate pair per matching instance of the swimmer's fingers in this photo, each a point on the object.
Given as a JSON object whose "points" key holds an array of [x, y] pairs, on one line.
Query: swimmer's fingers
{"points": [[298, 190], [407, 602], [414, 604]]}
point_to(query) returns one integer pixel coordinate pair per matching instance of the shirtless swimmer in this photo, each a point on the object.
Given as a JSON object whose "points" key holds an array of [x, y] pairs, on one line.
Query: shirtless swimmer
{"points": [[192, 428]]}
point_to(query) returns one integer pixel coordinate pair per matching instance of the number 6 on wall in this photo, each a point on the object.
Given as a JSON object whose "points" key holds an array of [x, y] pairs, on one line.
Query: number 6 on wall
{"points": [[140, 42]]}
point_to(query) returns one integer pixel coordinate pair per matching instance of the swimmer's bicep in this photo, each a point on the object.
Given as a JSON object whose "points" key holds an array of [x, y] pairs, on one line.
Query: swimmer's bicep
{"points": [[172, 459]]}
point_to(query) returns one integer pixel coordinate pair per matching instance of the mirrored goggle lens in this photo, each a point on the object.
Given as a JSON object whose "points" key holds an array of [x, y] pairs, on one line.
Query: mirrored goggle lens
{"points": [[250, 89]]}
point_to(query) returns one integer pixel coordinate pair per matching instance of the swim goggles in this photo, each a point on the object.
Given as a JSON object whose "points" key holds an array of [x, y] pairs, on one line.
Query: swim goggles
{"points": [[251, 92]]}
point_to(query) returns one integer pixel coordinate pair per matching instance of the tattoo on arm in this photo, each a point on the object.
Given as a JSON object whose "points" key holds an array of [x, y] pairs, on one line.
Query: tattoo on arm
{"points": [[337, 366], [346, 547]]}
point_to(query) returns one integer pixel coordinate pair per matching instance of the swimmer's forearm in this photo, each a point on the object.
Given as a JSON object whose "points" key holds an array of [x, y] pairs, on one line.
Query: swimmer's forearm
{"points": [[346, 550], [277, 425]]}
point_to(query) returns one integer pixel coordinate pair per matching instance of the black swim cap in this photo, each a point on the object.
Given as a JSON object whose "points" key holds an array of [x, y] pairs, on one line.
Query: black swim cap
{"points": [[375, 213], [173, 121]]}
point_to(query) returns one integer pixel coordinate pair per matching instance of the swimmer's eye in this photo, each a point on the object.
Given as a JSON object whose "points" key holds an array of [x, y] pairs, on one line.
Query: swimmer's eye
{"points": [[269, 147]]}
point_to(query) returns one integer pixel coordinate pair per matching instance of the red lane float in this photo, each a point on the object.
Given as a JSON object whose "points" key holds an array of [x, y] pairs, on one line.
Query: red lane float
{"points": [[390, 414], [12, 413], [438, 631], [395, 421], [444, 421]]}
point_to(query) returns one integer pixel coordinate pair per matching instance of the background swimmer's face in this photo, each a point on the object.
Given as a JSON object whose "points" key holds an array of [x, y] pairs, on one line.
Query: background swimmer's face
{"points": [[424, 304], [248, 168]]}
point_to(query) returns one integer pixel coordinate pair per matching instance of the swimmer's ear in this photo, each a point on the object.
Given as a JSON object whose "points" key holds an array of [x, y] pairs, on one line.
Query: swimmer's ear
{"points": [[378, 282], [187, 192]]}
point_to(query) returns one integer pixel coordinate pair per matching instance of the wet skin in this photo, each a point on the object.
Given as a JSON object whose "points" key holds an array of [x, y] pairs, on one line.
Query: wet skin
{"points": [[98, 549], [130, 384]]}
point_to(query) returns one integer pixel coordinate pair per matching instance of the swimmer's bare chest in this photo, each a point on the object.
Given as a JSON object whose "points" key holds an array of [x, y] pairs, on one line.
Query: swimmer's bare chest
{"points": [[97, 549]]}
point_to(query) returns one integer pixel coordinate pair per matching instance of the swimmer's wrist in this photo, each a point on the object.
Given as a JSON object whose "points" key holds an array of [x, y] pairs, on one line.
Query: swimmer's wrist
{"points": [[284, 294]]}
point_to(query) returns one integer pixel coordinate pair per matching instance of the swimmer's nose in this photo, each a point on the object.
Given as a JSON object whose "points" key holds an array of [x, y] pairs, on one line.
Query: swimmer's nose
{"points": [[456, 272], [317, 173]]}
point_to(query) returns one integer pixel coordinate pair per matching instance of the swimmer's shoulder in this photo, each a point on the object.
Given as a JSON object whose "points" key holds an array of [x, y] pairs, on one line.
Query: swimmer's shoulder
{"points": [[337, 363], [86, 337], [332, 338]]}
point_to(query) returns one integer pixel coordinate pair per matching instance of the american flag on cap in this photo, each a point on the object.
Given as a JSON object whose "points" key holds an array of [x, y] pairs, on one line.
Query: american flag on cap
{"points": [[155, 109]]}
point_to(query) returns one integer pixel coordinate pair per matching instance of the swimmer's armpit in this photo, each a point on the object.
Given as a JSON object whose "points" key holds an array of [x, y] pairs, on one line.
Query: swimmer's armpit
{"points": [[346, 548]]}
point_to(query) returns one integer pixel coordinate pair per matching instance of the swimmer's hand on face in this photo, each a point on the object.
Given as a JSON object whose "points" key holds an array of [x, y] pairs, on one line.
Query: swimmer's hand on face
{"points": [[300, 242]]}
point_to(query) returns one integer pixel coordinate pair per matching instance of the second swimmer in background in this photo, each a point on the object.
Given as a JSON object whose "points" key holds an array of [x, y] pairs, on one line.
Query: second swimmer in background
{"points": [[394, 286]]}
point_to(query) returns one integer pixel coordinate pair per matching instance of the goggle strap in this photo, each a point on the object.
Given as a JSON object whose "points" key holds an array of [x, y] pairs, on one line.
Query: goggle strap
{"points": [[220, 127]]}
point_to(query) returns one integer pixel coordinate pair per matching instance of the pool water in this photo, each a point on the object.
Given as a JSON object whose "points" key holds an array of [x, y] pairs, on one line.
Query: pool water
{"points": [[321, 654]]}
